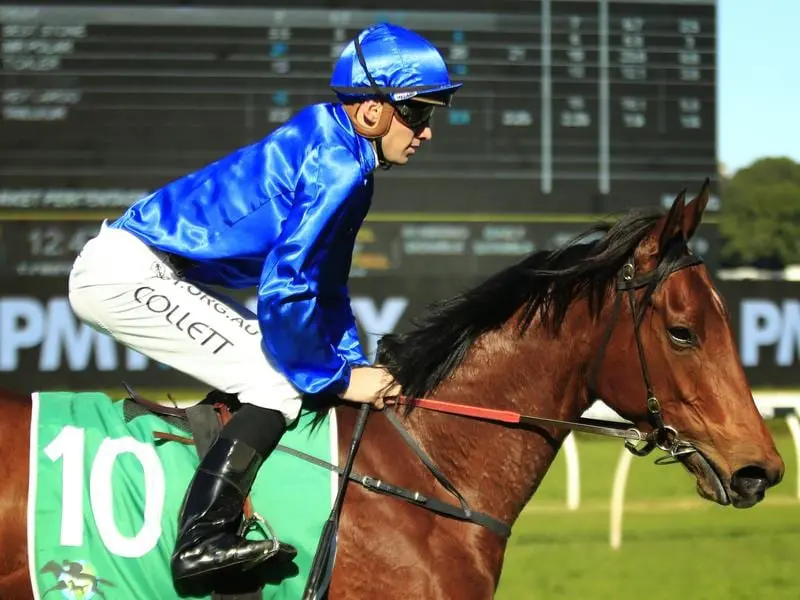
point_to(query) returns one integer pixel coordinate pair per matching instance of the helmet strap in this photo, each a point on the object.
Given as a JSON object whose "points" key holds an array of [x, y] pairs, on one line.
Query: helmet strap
{"points": [[384, 164]]}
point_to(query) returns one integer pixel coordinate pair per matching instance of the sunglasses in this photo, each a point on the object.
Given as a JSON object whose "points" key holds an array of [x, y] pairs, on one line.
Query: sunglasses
{"points": [[415, 115]]}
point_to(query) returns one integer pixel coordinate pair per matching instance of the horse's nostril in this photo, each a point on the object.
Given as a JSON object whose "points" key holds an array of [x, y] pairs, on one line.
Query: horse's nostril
{"points": [[751, 480], [751, 472]]}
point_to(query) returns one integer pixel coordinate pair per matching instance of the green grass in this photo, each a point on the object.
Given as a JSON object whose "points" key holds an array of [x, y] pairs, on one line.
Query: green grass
{"points": [[675, 545]]}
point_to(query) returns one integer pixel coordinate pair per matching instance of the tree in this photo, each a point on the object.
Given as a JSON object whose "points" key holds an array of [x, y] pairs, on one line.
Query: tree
{"points": [[760, 216]]}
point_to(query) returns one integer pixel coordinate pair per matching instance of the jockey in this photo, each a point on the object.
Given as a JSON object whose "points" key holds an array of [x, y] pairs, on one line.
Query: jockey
{"points": [[280, 215]]}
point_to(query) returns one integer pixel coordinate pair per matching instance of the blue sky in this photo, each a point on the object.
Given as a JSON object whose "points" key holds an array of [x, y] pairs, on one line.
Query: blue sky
{"points": [[758, 110]]}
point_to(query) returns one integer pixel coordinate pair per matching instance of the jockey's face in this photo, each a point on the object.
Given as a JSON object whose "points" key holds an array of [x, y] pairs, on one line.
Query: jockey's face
{"points": [[400, 142]]}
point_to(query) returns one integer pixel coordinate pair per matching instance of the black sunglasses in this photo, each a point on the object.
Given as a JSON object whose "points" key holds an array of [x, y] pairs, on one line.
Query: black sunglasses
{"points": [[415, 115]]}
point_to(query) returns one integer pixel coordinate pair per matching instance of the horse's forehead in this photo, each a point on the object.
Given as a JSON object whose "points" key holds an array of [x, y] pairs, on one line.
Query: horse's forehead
{"points": [[696, 277]]}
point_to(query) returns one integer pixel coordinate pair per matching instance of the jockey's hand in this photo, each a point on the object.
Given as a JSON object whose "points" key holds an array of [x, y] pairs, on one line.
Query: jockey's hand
{"points": [[370, 385]]}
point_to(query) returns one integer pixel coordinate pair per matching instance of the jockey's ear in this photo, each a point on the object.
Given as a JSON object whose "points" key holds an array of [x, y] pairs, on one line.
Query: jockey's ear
{"points": [[370, 118], [369, 112]]}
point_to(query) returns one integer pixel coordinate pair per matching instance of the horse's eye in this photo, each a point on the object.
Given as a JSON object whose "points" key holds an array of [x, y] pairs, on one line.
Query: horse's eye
{"points": [[683, 336]]}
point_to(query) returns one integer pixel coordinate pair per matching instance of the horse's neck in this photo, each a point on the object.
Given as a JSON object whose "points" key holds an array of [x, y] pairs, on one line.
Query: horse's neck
{"points": [[498, 468]]}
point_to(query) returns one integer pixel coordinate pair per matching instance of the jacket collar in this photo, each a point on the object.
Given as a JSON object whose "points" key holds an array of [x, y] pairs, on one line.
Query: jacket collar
{"points": [[365, 149]]}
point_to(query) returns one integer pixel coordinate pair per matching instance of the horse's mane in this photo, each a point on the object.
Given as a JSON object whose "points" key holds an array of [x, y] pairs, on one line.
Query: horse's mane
{"points": [[544, 283]]}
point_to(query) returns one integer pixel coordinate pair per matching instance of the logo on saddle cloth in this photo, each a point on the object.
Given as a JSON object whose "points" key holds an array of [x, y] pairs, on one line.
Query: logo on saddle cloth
{"points": [[76, 580]]}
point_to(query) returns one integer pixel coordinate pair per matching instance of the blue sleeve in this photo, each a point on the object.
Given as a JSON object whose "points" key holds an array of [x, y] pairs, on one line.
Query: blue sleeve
{"points": [[350, 345], [289, 311]]}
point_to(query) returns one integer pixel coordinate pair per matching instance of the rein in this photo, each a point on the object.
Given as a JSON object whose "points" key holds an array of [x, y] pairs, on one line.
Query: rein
{"points": [[507, 417], [662, 436]]}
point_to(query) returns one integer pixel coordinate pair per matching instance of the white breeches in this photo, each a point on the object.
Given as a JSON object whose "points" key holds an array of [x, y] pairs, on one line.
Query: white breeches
{"points": [[122, 287]]}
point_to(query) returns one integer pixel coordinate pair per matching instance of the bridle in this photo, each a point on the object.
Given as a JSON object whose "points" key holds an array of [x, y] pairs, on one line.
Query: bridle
{"points": [[640, 443], [662, 436]]}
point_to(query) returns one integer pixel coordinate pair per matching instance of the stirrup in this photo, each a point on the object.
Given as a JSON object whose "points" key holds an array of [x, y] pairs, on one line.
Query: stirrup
{"points": [[257, 522]]}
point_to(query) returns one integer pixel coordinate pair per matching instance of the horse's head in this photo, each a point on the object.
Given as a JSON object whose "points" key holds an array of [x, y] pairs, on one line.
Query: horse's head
{"points": [[689, 362]]}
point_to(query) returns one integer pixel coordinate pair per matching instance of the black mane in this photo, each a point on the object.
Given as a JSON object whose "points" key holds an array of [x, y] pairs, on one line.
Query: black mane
{"points": [[544, 283]]}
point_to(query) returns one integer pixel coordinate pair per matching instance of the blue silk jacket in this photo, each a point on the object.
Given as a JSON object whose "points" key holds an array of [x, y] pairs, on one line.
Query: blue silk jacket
{"points": [[281, 214]]}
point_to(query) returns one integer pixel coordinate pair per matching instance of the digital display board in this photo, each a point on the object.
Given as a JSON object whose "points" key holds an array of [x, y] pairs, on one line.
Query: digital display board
{"points": [[568, 106]]}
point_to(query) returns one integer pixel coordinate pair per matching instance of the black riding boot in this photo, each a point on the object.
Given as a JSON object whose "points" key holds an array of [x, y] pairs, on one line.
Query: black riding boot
{"points": [[209, 549]]}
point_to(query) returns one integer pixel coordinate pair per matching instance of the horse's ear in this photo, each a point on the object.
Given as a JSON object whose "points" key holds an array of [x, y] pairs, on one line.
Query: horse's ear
{"points": [[673, 221], [694, 212]]}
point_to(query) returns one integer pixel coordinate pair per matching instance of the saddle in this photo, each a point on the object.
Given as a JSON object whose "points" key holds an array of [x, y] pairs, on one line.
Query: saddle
{"points": [[203, 423]]}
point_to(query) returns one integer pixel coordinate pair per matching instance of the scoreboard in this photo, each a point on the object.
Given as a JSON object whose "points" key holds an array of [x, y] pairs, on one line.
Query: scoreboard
{"points": [[568, 108]]}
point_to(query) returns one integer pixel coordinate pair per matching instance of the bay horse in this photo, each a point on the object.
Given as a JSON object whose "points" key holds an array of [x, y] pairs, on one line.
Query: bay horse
{"points": [[631, 317]]}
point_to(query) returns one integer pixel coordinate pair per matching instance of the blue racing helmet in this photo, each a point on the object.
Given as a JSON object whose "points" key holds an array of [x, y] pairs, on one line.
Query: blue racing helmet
{"points": [[394, 64]]}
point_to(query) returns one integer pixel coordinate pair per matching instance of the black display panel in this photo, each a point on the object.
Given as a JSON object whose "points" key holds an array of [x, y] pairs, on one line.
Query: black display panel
{"points": [[567, 107]]}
